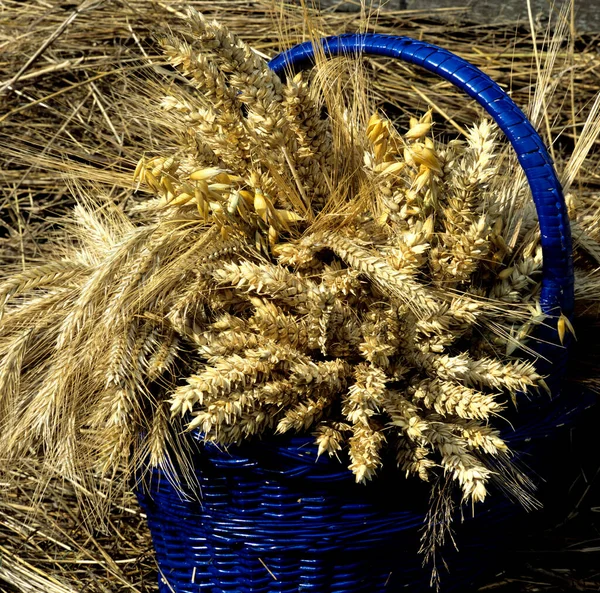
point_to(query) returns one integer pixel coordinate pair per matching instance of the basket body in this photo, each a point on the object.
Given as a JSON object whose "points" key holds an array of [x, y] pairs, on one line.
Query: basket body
{"points": [[272, 518]]}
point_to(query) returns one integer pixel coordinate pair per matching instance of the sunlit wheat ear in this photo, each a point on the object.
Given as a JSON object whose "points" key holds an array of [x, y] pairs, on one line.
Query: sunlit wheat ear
{"points": [[313, 136]]}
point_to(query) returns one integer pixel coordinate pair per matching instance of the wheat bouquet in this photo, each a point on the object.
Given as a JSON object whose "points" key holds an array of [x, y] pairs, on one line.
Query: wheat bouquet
{"points": [[309, 297]]}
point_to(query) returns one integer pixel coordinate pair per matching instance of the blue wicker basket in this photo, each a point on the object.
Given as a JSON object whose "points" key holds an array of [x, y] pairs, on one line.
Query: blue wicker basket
{"points": [[269, 516]]}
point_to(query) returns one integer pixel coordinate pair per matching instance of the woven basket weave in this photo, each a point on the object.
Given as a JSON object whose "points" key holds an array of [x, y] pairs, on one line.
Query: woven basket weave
{"points": [[270, 517]]}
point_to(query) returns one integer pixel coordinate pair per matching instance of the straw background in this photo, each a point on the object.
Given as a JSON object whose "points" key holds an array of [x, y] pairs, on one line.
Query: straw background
{"points": [[64, 73]]}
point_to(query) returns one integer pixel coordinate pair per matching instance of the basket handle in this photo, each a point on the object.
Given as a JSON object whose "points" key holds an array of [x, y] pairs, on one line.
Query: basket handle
{"points": [[557, 277]]}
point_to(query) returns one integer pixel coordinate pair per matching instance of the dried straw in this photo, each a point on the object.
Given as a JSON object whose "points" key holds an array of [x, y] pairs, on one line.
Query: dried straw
{"points": [[70, 101]]}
